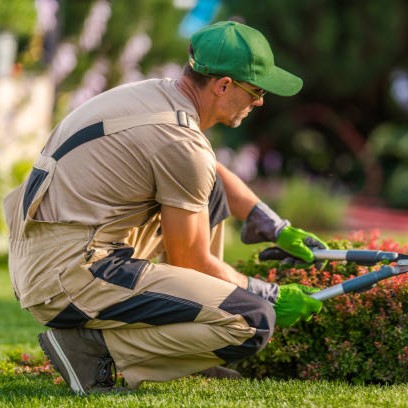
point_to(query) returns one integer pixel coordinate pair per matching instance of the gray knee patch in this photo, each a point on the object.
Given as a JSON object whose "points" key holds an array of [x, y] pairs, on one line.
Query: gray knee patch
{"points": [[258, 313]]}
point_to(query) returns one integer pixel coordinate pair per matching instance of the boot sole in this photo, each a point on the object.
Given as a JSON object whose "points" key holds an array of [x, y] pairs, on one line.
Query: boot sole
{"points": [[60, 361]]}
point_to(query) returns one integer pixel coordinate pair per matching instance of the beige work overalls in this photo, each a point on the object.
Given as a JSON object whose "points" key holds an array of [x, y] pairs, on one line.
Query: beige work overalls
{"points": [[159, 321]]}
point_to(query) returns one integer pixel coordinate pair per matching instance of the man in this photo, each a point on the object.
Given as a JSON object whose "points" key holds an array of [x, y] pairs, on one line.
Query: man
{"points": [[129, 177]]}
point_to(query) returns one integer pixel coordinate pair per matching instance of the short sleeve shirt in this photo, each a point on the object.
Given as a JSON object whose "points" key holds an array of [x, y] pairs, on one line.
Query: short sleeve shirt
{"points": [[123, 178]]}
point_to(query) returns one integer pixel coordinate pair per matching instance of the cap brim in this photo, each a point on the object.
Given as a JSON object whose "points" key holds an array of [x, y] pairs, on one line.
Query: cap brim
{"points": [[281, 82]]}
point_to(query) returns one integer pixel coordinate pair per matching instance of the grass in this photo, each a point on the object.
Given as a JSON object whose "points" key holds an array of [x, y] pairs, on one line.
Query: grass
{"points": [[27, 392], [17, 327], [18, 332]]}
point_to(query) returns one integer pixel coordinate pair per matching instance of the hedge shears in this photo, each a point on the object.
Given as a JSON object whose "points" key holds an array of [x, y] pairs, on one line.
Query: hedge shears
{"points": [[361, 257]]}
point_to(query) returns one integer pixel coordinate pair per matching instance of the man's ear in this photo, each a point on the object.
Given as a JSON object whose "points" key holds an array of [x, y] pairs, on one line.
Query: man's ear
{"points": [[221, 85]]}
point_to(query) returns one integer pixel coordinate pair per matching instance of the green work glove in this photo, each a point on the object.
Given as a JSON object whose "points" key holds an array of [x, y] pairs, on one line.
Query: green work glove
{"points": [[294, 304], [298, 243], [263, 224]]}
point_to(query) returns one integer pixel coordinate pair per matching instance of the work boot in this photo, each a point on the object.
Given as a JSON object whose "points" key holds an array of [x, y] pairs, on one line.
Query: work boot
{"points": [[81, 357]]}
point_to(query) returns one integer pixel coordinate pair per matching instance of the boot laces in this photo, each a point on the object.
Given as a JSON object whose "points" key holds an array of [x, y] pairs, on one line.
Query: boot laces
{"points": [[105, 376]]}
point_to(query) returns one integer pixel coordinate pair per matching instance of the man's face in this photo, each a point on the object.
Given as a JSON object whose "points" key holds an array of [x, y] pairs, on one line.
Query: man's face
{"points": [[239, 102]]}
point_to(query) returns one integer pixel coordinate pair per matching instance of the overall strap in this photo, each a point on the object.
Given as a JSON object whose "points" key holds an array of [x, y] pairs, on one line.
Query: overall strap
{"points": [[115, 125]]}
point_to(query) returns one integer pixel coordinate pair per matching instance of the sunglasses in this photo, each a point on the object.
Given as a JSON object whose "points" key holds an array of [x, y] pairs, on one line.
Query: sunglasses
{"points": [[257, 93]]}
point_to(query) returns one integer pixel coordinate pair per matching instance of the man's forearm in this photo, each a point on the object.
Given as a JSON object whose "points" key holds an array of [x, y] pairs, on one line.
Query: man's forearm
{"points": [[241, 199], [222, 270], [212, 266], [186, 238]]}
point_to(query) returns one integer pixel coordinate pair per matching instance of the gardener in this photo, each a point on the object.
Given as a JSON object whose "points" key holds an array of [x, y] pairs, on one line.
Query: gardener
{"points": [[129, 177]]}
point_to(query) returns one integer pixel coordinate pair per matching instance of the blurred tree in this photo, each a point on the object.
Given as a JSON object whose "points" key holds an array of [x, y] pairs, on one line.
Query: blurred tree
{"points": [[18, 18], [112, 43], [156, 18], [342, 49], [345, 52]]}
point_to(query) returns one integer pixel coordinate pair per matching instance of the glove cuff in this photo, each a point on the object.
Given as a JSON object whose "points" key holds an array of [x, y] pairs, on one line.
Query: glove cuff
{"points": [[262, 224], [266, 290]]}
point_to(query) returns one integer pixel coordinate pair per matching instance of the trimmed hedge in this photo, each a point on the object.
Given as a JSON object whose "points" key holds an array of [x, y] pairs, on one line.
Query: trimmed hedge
{"points": [[361, 338]]}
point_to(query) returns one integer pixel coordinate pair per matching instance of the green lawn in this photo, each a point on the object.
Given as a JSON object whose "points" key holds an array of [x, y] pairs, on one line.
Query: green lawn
{"points": [[18, 333], [197, 392], [17, 327]]}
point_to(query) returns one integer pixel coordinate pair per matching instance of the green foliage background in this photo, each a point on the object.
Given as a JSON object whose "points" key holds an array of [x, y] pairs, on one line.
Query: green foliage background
{"points": [[345, 52], [18, 16], [343, 130], [128, 18]]}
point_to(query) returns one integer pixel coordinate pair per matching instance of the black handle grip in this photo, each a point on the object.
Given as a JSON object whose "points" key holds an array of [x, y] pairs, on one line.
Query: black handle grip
{"points": [[274, 253]]}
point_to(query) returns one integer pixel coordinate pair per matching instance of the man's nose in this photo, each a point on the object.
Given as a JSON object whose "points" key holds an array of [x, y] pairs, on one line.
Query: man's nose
{"points": [[258, 102]]}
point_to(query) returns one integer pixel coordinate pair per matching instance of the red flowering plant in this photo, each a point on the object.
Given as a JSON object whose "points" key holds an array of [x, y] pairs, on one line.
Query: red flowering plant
{"points": [[361, 337], [18, 362]]}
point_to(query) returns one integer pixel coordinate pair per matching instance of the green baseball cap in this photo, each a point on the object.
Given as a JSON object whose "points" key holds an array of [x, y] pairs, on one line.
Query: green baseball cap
{"points": [[243, 53]]}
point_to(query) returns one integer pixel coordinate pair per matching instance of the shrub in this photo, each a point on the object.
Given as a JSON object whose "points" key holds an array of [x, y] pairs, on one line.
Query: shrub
{"points": [[361, 338], [16, 361], [312, 204]]}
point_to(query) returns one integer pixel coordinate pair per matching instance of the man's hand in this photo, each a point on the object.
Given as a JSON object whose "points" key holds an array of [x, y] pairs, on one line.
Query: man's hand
{"points": [[299, 243], [294, 304], [263, 224]]}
